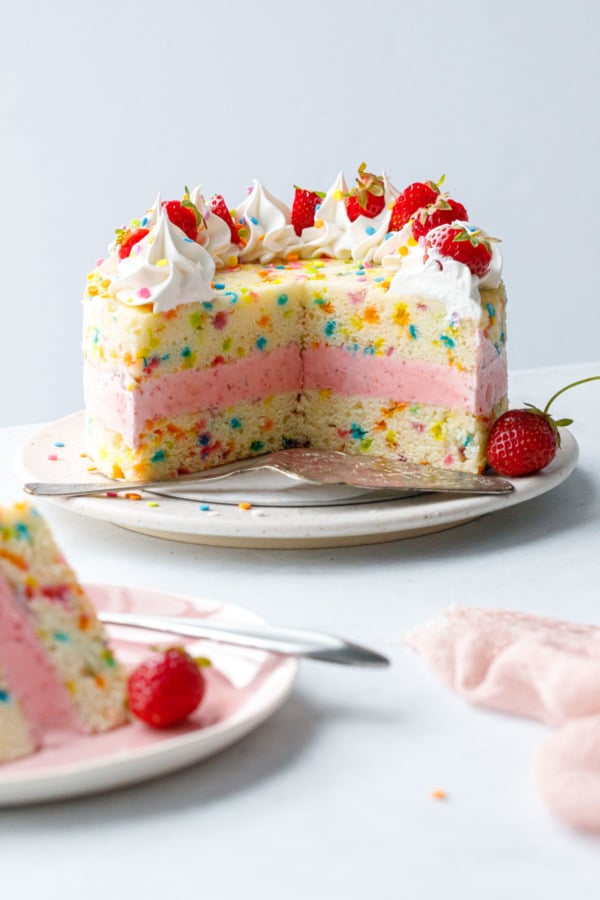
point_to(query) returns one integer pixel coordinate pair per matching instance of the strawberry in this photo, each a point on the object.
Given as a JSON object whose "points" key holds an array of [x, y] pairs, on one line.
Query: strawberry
{"points": [[411, 200], [219, 208], [460, 243], [441, 212], [165, 689], [367, 199], [304, 207], [182, 216], [126, 240], [523, 441]]}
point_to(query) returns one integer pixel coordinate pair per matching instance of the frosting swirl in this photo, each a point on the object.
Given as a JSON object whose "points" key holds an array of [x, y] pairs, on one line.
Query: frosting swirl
{"points": [[165, 268], [268, 222], [216, 237]]}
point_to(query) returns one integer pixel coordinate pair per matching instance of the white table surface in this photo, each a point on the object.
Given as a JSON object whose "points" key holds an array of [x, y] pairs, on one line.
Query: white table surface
{"points": [[332, 796]]}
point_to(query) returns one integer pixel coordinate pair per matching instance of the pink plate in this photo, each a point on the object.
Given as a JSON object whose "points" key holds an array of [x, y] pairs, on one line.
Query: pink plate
{"points": [[244, 687]]}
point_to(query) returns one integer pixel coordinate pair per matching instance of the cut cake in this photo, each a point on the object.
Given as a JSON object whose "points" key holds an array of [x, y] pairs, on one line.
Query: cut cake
{"points": [[248, 334]]}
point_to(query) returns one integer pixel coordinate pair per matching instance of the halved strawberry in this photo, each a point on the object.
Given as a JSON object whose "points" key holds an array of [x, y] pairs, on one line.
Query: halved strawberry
{"points": [[460, 243], [126, 240], [220, 209], [442, 212], [368, 198], [303, 208], [184, 215]]}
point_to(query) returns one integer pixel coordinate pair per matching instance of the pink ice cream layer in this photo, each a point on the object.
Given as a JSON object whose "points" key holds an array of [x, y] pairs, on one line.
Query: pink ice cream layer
{"points": [[260, 375], [31, 677]]}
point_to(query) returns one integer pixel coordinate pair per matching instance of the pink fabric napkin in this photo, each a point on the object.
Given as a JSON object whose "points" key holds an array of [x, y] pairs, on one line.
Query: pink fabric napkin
{"points": [[546, 669]]}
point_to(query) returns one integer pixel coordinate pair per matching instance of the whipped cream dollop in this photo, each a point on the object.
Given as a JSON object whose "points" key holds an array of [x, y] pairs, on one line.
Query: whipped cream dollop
{"points": [[214, 235], [269, 233], [334, 235], [441, 278], [165, 269]]}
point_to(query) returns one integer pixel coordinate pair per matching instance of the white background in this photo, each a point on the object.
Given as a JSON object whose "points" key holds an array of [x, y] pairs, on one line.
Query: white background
{"points": [[103, 105]]}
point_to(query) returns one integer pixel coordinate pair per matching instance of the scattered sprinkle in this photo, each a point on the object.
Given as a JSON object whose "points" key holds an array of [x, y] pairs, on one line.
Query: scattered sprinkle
{"points": [[151, 503], [52, 457], [204, 507], [132, 496], [58, 444], [438, 794], [111, 494], [245, 505]]}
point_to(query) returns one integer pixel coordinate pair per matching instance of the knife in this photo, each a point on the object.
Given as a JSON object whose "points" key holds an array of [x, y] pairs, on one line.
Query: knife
{"points": [[273, 638]]}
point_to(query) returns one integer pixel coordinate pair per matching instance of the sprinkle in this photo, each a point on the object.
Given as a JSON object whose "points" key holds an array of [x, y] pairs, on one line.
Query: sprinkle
{"points": [[204, 508], [219, 286], [52, 457], [58, 444], [282, 299], [162, 262], [93, 290], [438, 794], [338, 195], [254, 220], [370, 230], [261, 343], [319, 223], [92, 469], [4, 696], [131, 496], [403, 250], [379, 279], [151, 503], [231, 261], [111, 494], [158, 456], [245, 505], [144, 292]]}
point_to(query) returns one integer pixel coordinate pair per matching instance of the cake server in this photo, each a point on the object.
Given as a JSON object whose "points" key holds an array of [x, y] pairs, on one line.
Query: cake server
{"points": [[273, 638], [311, 466]]}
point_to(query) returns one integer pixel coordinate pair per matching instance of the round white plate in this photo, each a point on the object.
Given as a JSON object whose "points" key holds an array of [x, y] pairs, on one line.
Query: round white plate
{"points": [[244, 687], [224, 524]]}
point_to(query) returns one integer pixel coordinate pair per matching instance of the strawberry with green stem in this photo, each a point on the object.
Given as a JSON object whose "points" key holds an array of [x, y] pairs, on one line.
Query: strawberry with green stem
{"points": [[524, 441], [368, 198], [411, 200], [185, 215]]}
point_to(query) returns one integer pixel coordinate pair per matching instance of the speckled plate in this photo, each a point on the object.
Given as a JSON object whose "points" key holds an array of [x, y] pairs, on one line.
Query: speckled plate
{"points": [[352, 518]]}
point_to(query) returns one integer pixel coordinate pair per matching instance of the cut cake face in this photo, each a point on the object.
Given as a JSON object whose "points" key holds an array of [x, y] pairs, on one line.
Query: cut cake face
{"points": [[58, 674], [347, 336]]}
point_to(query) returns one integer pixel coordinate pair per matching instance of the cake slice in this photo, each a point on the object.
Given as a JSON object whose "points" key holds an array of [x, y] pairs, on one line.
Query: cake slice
{"points": [[58, 674]]}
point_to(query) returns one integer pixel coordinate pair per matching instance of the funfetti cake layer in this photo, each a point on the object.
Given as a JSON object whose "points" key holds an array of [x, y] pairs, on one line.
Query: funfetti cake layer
{"points": [[395, 354], [57, 670]]}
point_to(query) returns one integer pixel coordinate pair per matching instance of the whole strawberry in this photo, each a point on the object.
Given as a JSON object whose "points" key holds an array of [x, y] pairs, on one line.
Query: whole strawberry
{"points": [[466, 245], [368, 198], [304, 207], [524, 441], [220, 209], [411, 200], [442, 212], [165, 689]]}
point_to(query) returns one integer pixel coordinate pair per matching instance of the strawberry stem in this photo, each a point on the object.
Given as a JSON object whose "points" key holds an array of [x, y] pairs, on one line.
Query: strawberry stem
{"points": [[568, 388]]}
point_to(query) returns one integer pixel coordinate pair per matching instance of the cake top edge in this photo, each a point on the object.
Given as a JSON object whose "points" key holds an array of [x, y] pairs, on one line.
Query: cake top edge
{"points": [[170, 255]]}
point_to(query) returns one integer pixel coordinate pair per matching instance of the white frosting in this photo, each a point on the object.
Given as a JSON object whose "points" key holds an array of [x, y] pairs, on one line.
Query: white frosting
{"points": [[216, 237], [444, 279], [165, 268], [270, 232], [330, 236]]}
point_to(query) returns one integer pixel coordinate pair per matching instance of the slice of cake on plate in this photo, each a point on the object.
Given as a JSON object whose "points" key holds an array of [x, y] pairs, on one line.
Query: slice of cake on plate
{"points": [[370, 321], [58, 674]]}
